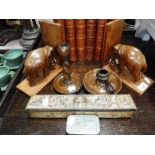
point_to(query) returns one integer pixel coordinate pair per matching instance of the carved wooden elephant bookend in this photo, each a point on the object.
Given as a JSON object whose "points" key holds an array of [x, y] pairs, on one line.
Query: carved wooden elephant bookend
{"points": [[38, 63], [131, 58]]}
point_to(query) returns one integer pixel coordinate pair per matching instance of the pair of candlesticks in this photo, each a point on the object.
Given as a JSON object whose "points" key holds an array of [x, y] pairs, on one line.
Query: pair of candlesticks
{"points": [[96, 81]]}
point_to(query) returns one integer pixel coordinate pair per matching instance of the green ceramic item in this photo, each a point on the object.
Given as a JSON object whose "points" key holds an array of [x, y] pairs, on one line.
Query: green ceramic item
{"points": [[12, 57], [5, 76]]}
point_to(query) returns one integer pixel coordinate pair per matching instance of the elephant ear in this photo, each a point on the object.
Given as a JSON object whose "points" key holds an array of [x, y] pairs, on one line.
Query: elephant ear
{"points": [[48, 48], [117, 48]]}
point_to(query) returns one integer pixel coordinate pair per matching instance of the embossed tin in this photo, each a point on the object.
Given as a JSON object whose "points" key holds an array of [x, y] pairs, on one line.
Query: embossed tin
{"points": [[61, 106], [83, 125]]}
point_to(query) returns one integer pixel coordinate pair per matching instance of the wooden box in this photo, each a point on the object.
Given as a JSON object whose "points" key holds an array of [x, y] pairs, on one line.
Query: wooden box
{"points": [[61, 106]]}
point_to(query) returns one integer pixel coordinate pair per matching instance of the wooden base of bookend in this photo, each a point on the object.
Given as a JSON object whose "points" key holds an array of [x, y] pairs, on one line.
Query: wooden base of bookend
{"points": [[61, 106], [25, 87], [139, 88]]}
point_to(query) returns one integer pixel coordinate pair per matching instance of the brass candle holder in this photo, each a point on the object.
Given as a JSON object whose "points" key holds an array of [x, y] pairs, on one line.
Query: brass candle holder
{"points": [[100, 81], [66, 82]]}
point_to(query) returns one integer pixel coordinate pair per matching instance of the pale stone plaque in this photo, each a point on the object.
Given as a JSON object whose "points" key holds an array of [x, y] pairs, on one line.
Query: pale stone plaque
{"points": [[61, 106]]}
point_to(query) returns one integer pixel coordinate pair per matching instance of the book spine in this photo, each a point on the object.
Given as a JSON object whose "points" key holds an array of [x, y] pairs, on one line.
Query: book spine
{"points": [[70, 37], [90, 39], [62, 22], [99, 38], [80, 29]]}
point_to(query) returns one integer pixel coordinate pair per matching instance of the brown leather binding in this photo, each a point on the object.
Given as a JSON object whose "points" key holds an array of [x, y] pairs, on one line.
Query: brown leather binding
{"points": [[99, 38], [91, 39], [80, 29], [70, 37]]}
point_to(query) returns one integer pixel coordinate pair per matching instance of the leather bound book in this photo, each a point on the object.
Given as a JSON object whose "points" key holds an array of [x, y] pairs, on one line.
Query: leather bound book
{"points": [[80, 29], [99, 38], [90, 39], [70, 37], [62, 22]]}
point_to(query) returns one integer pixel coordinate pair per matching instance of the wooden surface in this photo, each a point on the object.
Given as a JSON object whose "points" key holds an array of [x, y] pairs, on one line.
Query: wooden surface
{"points": [[62, 22], [25, 87], [139, 88], [17, 122], [112, 36], [52, 33]]}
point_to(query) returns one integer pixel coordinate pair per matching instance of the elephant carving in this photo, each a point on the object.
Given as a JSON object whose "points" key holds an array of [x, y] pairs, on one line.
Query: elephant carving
{"points": [[131, 58], [38, 61]]}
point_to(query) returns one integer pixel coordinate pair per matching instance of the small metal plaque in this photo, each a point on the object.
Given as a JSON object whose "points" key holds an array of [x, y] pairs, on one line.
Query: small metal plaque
{"points": [[83, 125]]}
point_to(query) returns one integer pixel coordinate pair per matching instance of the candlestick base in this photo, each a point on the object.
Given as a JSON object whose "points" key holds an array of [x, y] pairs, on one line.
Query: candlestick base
{"points": [[71, 87]]}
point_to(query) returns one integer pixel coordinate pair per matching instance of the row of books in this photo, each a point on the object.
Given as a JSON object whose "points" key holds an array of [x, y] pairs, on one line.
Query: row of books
{"points": [[85, 37]]}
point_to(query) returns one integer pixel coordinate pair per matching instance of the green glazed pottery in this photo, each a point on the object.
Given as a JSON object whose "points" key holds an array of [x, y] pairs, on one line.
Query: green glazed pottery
{"points": [[12, 57], [4, 76]]}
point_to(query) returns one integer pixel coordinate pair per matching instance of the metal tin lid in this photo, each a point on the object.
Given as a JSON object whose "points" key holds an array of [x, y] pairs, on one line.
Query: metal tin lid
{"points": [[83, 125]]}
